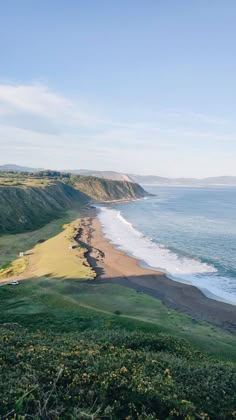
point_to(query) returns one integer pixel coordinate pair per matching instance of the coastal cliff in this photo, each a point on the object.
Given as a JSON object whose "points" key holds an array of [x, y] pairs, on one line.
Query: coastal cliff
{"points": [[107, 190], [28, 206]]}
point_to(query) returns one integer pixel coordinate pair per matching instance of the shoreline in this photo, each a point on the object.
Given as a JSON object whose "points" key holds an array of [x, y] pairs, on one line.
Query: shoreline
{"points": [[112, 265]]}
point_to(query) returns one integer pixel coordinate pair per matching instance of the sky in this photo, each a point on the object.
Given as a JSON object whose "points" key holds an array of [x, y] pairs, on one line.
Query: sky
{"points": [[145, 87]]}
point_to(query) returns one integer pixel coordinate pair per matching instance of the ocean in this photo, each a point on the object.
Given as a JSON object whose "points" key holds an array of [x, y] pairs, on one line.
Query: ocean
{"points": [[189, 233]]}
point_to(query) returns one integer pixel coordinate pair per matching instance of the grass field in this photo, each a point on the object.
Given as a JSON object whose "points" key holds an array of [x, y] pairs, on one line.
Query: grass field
{"points": [[11, 245], [59, 303], [56, 292], [23, 181], [68, 344]]}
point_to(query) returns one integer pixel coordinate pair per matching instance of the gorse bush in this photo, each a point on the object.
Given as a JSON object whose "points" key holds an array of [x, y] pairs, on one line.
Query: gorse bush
{"points": [[110, 375]]}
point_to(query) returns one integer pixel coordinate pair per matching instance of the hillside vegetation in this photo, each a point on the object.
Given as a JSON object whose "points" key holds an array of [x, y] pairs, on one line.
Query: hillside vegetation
{"points": [[49, 260], [75, 348], [62, 360], [29, 202], [26, 208], [103, 189]]}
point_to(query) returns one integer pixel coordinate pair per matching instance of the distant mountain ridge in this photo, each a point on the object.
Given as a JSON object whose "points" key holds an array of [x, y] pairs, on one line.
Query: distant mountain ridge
{"points": [[10, 167], [158, 180], [140, 179], [211, 181], [112, 175]]}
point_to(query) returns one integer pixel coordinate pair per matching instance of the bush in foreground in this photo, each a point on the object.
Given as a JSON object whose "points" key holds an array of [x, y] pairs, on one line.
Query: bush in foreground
{"points": [[110, 375]]}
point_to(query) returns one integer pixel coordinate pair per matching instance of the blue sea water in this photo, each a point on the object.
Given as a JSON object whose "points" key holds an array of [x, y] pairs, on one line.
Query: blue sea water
{"points": [[190, 233]]}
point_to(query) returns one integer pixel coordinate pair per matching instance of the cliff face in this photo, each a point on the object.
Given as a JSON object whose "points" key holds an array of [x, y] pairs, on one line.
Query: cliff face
{"points": [[106, 190], [27, 207]]}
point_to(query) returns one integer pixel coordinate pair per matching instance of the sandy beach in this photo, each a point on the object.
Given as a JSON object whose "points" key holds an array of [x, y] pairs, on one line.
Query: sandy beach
{"points": [[114, 266]]}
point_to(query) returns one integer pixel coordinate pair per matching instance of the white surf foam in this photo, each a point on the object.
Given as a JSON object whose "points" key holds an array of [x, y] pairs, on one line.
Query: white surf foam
{"points": [[187, 270]]}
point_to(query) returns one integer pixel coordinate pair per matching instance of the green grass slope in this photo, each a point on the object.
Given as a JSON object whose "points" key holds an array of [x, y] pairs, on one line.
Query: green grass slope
{"points": [[27, 208], [62, 359], [29, 202], [74, 348]]}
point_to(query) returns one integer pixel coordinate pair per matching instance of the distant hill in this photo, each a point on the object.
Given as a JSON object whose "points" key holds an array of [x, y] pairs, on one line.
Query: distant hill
{"points": [[157, 180], [220, 180], [9, 167], [114, 176], [134, 178]]}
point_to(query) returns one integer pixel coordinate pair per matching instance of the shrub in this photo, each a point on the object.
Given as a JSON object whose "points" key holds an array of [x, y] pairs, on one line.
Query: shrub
{"points": [[110, 374], [117, 312]]}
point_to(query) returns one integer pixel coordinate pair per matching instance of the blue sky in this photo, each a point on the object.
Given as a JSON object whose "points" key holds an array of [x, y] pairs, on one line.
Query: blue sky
{"points": [[133, 86]]}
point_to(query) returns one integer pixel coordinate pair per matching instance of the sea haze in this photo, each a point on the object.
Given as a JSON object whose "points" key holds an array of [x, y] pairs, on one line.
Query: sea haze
{"points": [[190, 233]]}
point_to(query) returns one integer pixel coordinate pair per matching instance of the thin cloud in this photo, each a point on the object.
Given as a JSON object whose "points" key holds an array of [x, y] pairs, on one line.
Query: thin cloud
{"points": [[190, 116], [40, 127], [36, 108], [38, 100]]}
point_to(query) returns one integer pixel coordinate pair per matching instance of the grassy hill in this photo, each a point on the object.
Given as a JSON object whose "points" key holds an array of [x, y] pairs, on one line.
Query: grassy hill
{"points": [[105, 190], [61, 358], [27, 208], [28, 202], [115, 176], [68, 345]]}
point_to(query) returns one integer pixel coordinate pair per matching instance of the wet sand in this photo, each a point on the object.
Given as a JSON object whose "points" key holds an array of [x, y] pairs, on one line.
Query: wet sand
{"points": [[115, 266]]}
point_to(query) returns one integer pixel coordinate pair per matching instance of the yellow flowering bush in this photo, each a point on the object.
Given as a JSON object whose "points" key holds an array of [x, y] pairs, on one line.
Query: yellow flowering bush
{"points": [[110, 374]]}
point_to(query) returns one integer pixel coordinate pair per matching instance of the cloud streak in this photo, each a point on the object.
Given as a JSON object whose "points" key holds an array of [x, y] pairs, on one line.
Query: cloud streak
{"points": [[44, 128], [38, 101]]}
